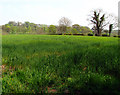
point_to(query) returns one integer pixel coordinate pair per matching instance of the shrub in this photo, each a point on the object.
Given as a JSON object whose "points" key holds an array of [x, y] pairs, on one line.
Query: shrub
{"points": [[67, 33], [59, 33], [117, 36], [90, 34], [79, 34], [104, 35]]}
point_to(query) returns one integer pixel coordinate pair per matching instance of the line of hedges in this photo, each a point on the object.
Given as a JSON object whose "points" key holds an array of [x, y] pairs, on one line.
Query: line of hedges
{"points": [[81, 34], [105, 35], [90, 34], [74, 34], [117, 36]]}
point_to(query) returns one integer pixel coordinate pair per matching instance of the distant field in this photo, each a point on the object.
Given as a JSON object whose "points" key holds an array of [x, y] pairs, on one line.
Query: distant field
{"points": [[60, 64]]}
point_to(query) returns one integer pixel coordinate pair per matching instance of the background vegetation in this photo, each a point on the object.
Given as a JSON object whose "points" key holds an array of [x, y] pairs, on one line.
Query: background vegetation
{"points": [[31, 28]]}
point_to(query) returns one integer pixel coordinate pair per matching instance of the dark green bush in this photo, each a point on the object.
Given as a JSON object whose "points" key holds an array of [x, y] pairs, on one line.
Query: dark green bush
{"points": [[90, 34]]}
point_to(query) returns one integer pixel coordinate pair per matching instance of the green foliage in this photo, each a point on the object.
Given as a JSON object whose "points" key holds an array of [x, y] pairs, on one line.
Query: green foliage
{"points": [[28, 29], [31, 28], [52, 29], [25, 28], [85, 30], [77, 27], [13, 29], [7, 27], [90, 30], [69, 30], [74, 30], [34, 63]]}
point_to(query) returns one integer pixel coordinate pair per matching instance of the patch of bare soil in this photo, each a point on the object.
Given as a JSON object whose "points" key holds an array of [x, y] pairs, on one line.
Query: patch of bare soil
{"points": [[50, 90]]}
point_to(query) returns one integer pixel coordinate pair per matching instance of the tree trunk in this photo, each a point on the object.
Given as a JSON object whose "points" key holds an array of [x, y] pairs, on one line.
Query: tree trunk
{"points": [[110, 29]]}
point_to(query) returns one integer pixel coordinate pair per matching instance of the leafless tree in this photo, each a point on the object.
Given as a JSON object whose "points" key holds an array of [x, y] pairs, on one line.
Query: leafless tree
{"points": [[64, 22], [101, 20]]}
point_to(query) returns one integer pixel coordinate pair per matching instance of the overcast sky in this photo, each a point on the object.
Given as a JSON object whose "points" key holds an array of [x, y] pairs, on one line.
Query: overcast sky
{"points": [[50, 11]]}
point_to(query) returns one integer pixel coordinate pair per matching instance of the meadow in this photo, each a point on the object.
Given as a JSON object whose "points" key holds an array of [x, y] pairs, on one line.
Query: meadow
{"points": [[60, 64]]}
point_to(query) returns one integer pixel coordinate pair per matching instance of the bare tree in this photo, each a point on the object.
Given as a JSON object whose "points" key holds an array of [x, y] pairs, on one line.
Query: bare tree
{"points": [[64, 22], [101, 20]]}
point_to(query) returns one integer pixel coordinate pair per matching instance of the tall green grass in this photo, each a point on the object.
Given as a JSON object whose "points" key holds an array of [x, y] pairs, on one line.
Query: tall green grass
{"points": [[73, 64]]}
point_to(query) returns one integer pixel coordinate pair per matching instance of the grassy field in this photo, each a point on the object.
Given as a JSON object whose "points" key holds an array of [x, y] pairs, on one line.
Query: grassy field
{"points": [[60, 64]]}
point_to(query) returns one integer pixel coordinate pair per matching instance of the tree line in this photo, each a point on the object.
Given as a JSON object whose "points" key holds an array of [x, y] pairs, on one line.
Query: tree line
{"points": [[97, 18], [27, 27]]}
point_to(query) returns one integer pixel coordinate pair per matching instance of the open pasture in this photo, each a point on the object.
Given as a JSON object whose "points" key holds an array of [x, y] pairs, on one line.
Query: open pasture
{"points": [[60, 64]]}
